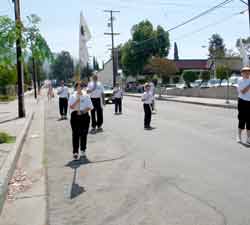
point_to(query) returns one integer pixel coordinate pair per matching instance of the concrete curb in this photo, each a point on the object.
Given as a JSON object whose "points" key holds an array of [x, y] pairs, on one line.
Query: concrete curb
{"points": [[10, 163], [190, 102]]}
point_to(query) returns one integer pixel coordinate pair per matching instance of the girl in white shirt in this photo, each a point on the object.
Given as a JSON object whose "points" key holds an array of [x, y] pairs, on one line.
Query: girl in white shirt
{"points": [[244, 104], [147, 99], [80, 105]]}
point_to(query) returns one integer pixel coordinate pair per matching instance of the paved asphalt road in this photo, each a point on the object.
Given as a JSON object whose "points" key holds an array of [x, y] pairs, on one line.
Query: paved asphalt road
{"points": [[188, 171]]}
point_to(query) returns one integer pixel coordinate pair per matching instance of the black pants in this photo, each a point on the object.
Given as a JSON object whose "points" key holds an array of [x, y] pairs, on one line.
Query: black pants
{"points": [[148, 115], [96, 113], [63, 106], [244, 114], [118, 105], [80, 129]]}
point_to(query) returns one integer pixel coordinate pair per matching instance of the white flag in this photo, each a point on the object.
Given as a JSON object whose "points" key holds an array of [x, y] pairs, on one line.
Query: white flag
{"points": [[84, 37]]}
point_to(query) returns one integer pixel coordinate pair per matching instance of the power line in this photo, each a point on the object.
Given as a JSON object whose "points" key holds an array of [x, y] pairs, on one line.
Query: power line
{"points": [[244, 2], [10, 5], [192, 19], [201, 14], [223, 20]]}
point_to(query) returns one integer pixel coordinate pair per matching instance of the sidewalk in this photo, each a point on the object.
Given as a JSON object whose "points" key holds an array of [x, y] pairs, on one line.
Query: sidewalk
{"points": [[18, 128], [221, 103], [27, 188]]}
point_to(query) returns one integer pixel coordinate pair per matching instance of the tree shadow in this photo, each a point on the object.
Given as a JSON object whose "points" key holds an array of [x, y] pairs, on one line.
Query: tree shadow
{"points": [[9, 120]]}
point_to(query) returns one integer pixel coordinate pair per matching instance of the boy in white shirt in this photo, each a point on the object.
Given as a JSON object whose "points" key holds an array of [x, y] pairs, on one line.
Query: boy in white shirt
{"points": [[96, 92], [118, 95], [147, 99]]}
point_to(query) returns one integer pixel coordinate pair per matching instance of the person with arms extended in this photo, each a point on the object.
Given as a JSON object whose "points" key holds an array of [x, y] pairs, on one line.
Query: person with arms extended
{"points": [[96, 91], [244, 104], [147, 99], [118, 95], [63, 93], [80, 104]]}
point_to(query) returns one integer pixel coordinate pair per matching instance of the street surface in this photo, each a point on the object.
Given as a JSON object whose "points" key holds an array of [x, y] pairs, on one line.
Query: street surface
{"points": [[188, 171]]}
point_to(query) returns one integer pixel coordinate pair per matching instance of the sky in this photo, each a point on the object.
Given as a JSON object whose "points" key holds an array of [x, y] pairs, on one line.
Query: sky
{"points": [[60, 23]]}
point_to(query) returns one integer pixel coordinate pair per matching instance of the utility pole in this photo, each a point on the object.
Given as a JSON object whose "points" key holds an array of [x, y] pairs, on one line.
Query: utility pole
{"points": [[113, 43], [20, 77], [249, 12], [34, 69]]}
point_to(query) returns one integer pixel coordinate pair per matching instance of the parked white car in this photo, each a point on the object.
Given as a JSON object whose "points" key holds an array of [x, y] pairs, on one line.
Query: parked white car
{"points": [[214, 83], [197, 83]]}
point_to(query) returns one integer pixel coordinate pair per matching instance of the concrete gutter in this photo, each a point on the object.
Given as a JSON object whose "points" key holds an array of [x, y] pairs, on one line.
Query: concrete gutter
{"points": [[10, 164], [171, 99]]}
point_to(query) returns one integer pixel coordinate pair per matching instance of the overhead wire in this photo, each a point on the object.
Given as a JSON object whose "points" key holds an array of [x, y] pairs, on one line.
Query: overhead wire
{"points": [[218, 22], [206, 12]]}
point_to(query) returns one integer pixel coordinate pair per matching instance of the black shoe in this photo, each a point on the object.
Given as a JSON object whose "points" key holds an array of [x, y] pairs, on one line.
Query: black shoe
{"points": [[93, 131], [75, 156], [99, 129]]}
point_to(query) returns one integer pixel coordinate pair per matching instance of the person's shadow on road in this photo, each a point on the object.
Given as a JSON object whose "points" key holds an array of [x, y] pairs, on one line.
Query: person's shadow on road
{"points": [[76, 189]]}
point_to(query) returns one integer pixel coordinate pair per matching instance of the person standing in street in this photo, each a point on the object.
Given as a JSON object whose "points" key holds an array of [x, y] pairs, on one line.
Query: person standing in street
{"points": [[96, 91], [80, 104], [118, 95], [244, 104], [63, 93], [147, 99]]}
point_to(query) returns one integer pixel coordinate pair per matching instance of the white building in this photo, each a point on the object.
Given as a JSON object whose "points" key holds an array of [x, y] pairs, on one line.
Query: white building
{"points": [[106, 75]]}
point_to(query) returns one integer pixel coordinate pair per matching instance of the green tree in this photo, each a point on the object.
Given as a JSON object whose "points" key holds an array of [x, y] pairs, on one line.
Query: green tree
{"points": [[222, 72], [8, 76], [245, 41], [8, 33], [205, 76], [145, 43], [38, 48], [176, 52], [63, 66], [189, 77], [216, 47]]}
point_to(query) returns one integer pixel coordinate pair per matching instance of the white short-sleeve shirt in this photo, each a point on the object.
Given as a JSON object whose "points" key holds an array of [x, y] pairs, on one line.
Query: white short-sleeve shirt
{"points": [[96, 89], [118, 93], [147, 98], [63, 92], [85, 102], [242, 84]]}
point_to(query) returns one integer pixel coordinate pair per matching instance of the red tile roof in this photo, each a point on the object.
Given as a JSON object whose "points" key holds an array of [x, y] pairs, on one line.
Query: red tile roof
{"points": [[192, 64]]}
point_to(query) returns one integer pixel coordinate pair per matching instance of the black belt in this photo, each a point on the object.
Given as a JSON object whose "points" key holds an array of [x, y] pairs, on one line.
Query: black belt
{"points": [[80, 113]]}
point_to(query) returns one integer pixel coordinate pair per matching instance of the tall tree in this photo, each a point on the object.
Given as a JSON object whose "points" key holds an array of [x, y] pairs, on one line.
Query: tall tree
{"points": [[145, 43], [189, 77], [38, 48], [7, 41], [216, 47], [176, 52], [63, 66], [222, 72]]}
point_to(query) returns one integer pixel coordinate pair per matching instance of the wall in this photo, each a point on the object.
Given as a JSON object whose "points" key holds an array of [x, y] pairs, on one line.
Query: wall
{"points": [[219, 92]]}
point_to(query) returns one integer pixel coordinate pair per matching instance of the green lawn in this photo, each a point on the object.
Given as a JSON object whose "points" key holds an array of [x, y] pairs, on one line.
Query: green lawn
{"points": [[5, 138], [5, 98]]}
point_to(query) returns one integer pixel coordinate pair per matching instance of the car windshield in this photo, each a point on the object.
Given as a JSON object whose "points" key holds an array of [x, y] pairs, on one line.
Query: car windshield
{"points": [[106, 87]]}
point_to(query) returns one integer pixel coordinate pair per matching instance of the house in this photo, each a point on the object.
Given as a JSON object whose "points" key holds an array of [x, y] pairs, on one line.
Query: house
{"points": [[106, 74]]}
